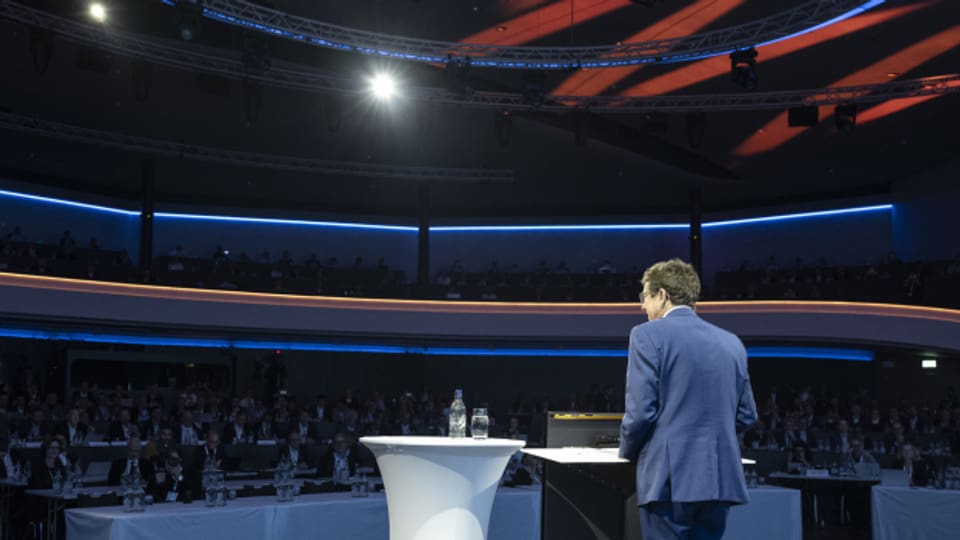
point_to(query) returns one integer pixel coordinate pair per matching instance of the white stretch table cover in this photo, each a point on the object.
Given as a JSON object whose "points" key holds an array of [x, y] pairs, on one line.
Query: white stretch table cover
{"points": [[904, 513], [333, 516], [773, 512], [438, 487]]}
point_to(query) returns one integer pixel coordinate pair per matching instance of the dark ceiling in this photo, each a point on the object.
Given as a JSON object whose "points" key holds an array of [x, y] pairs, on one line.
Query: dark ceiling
{"points": [[631, 164]]}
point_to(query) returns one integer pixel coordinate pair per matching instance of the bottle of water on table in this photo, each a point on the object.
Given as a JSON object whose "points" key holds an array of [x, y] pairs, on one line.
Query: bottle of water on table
{"points": [[458, 416]]}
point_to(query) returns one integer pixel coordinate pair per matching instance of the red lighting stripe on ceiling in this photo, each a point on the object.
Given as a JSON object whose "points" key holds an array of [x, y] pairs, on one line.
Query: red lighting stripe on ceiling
{"points": [[776, 133], [891, 107], [688, 20], [703, 70], [544, 21]]}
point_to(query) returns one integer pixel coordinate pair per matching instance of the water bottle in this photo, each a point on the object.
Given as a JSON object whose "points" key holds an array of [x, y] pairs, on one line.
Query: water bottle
{"points": [[57, 483], [458, 416]]}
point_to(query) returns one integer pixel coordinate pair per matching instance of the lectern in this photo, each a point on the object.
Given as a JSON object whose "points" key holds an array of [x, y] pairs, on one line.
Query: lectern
{"points": [[588, 493]]}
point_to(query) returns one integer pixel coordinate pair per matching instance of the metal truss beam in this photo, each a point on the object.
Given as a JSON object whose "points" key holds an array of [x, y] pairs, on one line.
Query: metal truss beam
{"points": [[188, 57], [806, 17], [27, 124]]}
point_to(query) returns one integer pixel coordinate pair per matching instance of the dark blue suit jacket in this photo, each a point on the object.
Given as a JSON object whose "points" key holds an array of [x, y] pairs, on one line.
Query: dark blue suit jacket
{"points": [[688, 395]]}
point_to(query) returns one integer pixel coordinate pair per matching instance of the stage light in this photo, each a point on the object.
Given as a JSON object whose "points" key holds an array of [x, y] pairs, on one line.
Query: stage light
{"points": [[533, 92], [382, 86], [845, 117], [458, 82], [189, 15], [743, 68], [98, 12]]}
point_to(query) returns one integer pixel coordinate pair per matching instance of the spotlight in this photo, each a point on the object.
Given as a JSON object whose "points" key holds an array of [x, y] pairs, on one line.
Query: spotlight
{"points": [[458, 70], [188, 19], [382, 86], [845, 116], [98, 12], [743, 68], [533, 82]]}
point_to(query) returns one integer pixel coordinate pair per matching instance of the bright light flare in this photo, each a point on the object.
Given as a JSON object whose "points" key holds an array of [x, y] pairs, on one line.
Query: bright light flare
{"points": [[98, 12], [383, 86]]}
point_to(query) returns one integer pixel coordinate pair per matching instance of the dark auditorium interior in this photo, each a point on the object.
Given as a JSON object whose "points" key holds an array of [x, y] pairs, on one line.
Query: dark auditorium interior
{"points": [[268, 220]]}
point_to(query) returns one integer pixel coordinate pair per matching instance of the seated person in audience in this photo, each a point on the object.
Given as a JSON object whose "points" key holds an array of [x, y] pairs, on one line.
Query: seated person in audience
{"points": [[918, 469], [895, 439], [123, 428], [209, 452], [914, 422], [840, 442], [343, 453], [170, 483], [238, 432], [874, 424], [792, 434], [152, 427], [36, 428], [856, 456], [8, 459], [799, 458], [320, 411], [48, 464], [187, 433], [74, 431], [306, 428], [162, 444], [755, 437], [266, 429], [513, 429], [293, 452], [124, 465]]}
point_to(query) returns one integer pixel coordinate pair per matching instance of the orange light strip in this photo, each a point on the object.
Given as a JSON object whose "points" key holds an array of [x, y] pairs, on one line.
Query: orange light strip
{"points": [[703, 70], [688, 20], [891, 107], [438, 306], [776, 133], [544, 21]]}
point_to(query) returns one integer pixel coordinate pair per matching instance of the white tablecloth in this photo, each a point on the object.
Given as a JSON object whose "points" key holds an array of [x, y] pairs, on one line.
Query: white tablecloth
{"points": [[334, 516], [773, 512], [903, 513]]}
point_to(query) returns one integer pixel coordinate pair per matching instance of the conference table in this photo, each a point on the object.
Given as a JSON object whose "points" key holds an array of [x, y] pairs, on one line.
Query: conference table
{"points": [[909, 513], [773, 512], [334, 516]]}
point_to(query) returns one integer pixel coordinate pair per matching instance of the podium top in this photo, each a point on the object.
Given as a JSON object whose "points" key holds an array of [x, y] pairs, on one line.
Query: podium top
{"points": [[584, 454]]}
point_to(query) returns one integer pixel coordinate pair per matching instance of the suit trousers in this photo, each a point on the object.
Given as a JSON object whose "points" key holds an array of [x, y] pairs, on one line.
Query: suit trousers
{"points": [[684, 521]]}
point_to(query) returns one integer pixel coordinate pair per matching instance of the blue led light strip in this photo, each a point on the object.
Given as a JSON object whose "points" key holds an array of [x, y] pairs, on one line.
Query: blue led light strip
{"points": [[817, 353], [443, 229], [64, 202], [278, 221]]}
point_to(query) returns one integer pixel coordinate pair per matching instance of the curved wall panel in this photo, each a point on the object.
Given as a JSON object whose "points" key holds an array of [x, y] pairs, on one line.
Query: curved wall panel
{"points": [[36, 301]]}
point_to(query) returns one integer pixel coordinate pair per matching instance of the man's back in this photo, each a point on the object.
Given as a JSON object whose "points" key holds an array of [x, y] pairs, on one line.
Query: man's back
{"points": [[688, 395]]}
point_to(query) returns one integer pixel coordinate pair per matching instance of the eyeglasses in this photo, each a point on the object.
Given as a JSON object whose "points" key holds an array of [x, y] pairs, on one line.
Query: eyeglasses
{"points": [[644, 296]]}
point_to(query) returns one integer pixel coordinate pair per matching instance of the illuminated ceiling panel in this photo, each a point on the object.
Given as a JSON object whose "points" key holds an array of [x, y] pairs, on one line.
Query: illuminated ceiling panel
{"points": [[775, 133], [544, 21], [689, 20], [698, 72]]}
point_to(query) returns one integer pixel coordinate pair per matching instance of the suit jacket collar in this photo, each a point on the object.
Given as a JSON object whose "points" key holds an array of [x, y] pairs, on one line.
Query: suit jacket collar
{"points": [[680, 311]]}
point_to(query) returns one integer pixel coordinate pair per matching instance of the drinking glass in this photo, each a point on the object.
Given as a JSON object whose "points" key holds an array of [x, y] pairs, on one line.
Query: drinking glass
{"points": [[479, 423]]}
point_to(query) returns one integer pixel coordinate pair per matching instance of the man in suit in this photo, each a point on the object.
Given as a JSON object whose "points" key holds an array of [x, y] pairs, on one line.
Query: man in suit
{"points": [[123, 466], [238, 432], [343, 453], [73, 430], [170, 485], [186, 433], [293, 452], [306, 428], [123, 428], [687, 396], [36, 428], [210, 451]]}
